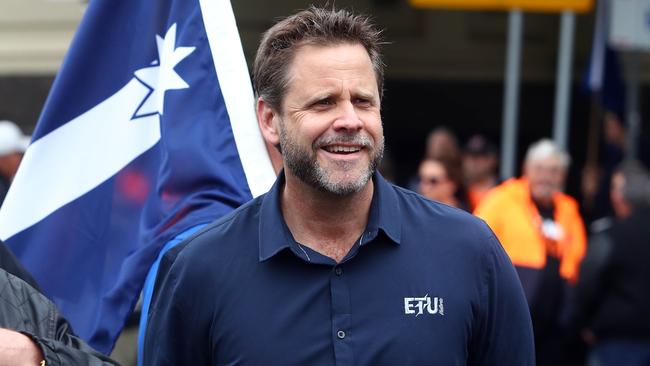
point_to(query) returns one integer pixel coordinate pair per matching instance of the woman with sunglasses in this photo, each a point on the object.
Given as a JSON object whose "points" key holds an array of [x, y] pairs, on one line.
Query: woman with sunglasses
{"points": [[441, 180]]}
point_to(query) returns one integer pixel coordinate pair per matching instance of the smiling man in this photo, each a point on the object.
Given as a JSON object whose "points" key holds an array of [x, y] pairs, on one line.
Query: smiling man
{"points": [[335, 266]]}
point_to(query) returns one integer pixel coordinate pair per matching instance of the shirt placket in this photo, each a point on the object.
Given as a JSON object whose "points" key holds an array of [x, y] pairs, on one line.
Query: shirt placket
{"points": [[341, 332]]}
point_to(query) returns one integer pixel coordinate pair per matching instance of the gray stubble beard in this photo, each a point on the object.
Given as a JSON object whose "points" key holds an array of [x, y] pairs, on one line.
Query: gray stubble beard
{"points": [[304, 165]]}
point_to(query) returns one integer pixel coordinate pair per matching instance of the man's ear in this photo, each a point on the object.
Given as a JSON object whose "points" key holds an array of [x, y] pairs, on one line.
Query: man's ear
{"points": [[268, 119]]}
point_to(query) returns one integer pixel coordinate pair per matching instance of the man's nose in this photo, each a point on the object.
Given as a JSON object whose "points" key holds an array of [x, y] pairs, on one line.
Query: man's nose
{"points": [[348, 118]]}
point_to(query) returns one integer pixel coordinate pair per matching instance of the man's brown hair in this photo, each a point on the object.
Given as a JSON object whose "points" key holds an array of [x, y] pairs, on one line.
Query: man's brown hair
{"points": [[313, 26]]}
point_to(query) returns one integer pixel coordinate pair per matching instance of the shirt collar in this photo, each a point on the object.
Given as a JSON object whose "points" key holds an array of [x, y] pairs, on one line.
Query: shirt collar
{"points": [[274, 234]]}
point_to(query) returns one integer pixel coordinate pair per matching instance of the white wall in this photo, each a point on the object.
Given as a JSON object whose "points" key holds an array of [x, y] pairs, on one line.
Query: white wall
{"points": [[35, 34]]}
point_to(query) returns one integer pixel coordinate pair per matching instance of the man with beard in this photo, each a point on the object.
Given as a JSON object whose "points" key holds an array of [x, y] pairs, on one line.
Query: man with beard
{"points": [[335, 266]]}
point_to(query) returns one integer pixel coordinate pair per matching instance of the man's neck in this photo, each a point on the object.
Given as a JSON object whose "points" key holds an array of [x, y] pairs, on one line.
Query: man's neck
{"points": [[543, 202], [484, 183], [327, 223]]}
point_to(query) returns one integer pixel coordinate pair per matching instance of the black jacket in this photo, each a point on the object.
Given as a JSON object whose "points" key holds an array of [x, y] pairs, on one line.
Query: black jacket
{"points": [[10, 264], [25, 309], [615, 294]]}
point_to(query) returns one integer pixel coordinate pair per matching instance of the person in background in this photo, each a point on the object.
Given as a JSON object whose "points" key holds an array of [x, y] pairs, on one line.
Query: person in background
{"points": [[13, 144], [480, 161], [613, 293], [32, 332], [441, 181], [441, 144], [596, 179], [542, 230]]}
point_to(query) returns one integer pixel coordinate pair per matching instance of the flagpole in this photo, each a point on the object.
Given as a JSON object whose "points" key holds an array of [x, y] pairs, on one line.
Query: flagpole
{"points": [[511, 94], [563, 81]]}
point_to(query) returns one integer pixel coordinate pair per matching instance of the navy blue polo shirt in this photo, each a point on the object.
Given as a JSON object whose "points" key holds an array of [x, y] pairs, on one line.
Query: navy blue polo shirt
{"points": [[425, 284]]}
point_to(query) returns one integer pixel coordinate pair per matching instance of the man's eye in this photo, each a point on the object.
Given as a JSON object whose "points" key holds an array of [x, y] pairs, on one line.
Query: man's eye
{"points": [[362, 102], [323, 102]]}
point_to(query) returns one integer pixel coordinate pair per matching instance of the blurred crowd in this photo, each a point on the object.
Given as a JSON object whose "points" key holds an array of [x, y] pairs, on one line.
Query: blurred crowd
{"points": [[583, 262]]}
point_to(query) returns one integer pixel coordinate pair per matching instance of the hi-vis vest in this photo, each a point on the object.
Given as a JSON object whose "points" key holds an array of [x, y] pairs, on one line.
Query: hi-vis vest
{"points": [[510, 212]]}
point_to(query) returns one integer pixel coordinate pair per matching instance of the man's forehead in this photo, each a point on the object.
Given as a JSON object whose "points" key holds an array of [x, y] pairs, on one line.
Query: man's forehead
{"points": [[547, 161], [332, 69], [345, 58]]}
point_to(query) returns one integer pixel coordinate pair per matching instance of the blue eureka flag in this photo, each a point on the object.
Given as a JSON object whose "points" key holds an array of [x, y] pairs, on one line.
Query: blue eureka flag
{"points": [[149, 130]]}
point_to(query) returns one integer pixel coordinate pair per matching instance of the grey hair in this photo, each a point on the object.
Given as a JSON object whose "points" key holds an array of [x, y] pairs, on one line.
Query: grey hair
{"points": [[545, 148], [636, 189]]}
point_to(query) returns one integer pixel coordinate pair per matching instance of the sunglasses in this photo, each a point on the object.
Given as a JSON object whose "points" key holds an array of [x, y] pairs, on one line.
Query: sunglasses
{"points": [[431, 180]]}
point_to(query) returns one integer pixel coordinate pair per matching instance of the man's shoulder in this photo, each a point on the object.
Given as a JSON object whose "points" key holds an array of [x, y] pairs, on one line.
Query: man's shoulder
{"points": [[227, 233], [511, 194], [602, 225], [433, 230], [421, 213], [511, 189], [422, 205], [567, 202], [243, 217]]}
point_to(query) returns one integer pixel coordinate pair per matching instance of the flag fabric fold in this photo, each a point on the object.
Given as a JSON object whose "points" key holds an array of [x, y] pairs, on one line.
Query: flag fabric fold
{"points": [[603, 72], [149, 130]]}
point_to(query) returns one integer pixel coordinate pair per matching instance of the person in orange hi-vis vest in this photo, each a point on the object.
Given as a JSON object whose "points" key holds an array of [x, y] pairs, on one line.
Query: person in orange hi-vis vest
{"points": [[543, 233]]}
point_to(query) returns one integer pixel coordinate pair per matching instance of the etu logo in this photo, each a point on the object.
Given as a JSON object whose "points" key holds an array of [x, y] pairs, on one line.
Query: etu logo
{"points": [[418, 305]]}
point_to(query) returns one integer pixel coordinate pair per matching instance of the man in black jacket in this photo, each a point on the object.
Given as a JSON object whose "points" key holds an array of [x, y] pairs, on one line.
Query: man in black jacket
{"points": [[32, 332], [614, 288]]}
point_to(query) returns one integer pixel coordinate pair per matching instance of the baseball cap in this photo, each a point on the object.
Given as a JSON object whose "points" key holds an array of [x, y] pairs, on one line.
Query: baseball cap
{"points": [[480, 145], [12, 139]]}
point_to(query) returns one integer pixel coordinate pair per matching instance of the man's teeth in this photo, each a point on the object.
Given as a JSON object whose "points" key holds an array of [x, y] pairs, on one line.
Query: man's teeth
{"points": [[342, 149]]}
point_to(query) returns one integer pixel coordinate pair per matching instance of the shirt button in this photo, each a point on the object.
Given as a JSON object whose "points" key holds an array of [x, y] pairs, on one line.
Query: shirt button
{"points": [[340, 334], [338, 271]]}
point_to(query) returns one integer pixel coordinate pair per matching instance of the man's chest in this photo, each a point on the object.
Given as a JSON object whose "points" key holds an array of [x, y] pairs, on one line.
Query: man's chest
{"points": [[344, 315]]}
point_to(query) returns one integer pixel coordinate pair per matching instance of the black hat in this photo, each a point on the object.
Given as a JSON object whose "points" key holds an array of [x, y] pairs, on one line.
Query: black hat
{"points": [[480, 145]]}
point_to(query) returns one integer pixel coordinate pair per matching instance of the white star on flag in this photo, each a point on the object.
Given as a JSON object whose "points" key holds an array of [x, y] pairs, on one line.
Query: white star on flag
{"points": [[162, 77], [89, 140]]}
